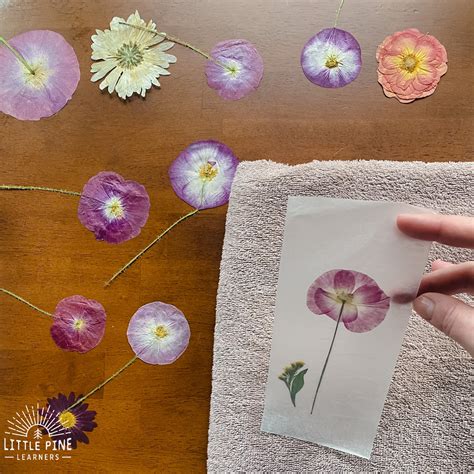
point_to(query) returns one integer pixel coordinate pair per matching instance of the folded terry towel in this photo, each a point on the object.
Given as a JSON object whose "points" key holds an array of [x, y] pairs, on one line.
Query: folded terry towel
{"points": [[425, 423]]}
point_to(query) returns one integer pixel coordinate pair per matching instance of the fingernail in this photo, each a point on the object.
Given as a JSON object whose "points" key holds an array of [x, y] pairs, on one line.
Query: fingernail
{"points": [[424, 306]]}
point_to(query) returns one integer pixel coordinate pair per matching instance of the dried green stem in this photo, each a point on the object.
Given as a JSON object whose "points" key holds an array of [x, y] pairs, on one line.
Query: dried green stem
{"points": [[106, 381], [13, 187], [176, 40], [17, 54], [327, 357], [338, 13], [19, 298], [150, 245]]}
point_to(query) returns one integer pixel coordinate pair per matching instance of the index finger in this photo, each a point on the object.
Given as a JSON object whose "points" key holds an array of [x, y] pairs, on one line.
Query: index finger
{"points": [[457, 231]]}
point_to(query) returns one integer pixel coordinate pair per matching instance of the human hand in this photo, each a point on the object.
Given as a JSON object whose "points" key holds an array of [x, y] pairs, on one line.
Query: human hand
{"points": [[434, 303]]}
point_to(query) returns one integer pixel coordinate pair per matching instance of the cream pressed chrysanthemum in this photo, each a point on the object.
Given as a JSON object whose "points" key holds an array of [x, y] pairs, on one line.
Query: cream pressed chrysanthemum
{"points": [[130, 59]]}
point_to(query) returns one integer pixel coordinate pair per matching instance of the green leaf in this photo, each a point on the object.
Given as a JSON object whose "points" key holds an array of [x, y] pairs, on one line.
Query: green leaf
{"points": [[297, 384]]}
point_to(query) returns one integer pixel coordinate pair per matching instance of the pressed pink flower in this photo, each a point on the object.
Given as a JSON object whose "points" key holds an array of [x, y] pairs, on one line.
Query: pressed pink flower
{"points": [[79, 324], [351, 297], [39, 74], [410, 64], [235, 70]]}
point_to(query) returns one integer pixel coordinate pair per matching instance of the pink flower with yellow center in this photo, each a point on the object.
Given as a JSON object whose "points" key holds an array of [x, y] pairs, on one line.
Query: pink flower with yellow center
{"points": [[411, 64]]}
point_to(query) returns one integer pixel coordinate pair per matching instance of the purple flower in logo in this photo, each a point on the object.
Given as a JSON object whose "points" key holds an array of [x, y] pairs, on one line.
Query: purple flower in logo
{"points": [[331, 58], [40, 73], [113, 208], [235, 70], [202, 174], [73, 418], [79, 324], [158, 333], [348, 296]]}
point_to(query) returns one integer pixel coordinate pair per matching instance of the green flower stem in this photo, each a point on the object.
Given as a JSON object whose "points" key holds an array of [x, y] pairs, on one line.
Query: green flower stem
{"points": [[106, 381], [338, 13], [19, 298], [327, 357], [150, 245], [12, 187], [17, 54], [176, 40]]}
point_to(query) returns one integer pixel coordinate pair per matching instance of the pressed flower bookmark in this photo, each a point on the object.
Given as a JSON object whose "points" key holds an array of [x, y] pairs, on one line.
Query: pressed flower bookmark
{"points": [[347, 279], [78, 323], [202, 177], [132, 55], [113, 208], [158, 334]]}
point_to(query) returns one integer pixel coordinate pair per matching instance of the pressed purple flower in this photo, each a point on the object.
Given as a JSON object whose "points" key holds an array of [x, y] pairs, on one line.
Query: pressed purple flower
{"points": [[71, 422], [236, 69], [350, 296], [202, 174], [40, 73], [158, 333], [79, 324], [331, 58], [113, 208]]}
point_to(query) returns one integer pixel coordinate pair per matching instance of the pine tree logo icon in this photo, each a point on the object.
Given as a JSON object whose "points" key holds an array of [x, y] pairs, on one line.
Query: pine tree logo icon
{"points": [[38, 434]]}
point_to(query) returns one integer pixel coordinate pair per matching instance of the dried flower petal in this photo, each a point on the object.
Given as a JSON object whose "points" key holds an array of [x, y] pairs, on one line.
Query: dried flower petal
{"points": [[411, 64], [202, 174], [158, 333], [130, 59], [28, 96], [237, 69], [331, 58], [79, 324], [71, 422], [113, 208], [363, 304]]}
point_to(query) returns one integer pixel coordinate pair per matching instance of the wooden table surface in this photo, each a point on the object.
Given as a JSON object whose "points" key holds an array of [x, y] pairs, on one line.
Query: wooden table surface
{"points": [[155, 418]]}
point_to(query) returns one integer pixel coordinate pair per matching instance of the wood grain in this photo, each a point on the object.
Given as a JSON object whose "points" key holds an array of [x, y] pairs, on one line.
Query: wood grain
{"points": [[155, 419]]}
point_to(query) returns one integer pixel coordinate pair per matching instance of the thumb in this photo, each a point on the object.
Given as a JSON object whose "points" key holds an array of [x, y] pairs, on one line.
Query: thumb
{"points": [[449, 315]]}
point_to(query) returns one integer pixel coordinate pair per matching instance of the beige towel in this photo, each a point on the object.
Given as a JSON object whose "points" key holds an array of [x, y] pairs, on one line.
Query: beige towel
{"points": [[426, 420]]}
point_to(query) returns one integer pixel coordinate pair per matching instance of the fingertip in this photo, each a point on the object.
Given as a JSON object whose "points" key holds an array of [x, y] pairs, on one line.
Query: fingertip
{"points": [[437, 264]]}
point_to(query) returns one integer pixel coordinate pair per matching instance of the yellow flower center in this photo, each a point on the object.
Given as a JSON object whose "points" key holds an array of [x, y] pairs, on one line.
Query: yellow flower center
{"points": [[129, 55], [78, 324], [67, 419], [410, 62], [233, 69], [332, 61], [208, 172], [161, 332], [343, 297], [36, 79], [114, 208]]}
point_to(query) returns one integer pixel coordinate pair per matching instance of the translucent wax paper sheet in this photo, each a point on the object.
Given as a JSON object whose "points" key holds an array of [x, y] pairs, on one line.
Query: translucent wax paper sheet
{"points": [[342, 260]]}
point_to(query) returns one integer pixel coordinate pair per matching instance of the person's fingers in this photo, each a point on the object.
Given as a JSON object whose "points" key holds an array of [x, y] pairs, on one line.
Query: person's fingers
{"points": [[437, 264], [457, 231], [449, 279], [449, 315]]}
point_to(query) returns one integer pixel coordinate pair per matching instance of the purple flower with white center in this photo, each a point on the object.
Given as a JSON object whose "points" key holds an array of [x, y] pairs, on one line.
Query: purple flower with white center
{"points": [[202, 174], [235, 70], [113, 208], [79, 324], [73, 419], [158, 333], [40, 73], [331, 58], [350, 296]]}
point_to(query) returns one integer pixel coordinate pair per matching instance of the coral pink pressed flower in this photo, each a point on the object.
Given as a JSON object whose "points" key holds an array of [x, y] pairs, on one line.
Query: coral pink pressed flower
{"points": [[410, 65]]}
